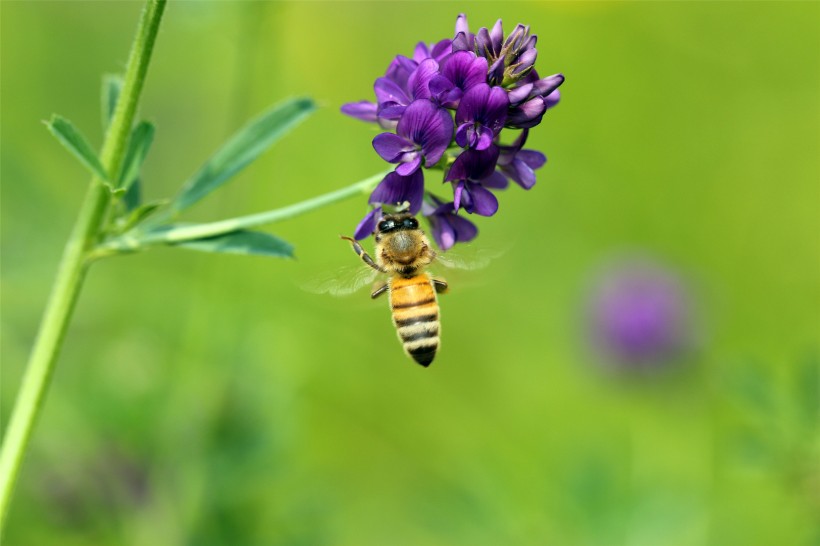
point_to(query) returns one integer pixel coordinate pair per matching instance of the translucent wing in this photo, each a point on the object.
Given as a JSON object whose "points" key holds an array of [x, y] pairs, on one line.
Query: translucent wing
{"points": [[341, 282], [468, 258]]}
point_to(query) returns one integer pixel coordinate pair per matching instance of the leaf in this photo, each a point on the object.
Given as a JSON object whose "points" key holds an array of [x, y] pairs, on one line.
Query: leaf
{"points": [[242, 242], [138, 145], [242, 148], [111, 88], [133, 195], [138, 213], [76, 143]]}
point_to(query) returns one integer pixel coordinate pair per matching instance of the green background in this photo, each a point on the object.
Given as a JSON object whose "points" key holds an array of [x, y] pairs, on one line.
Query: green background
{"points": [[206, 399]]}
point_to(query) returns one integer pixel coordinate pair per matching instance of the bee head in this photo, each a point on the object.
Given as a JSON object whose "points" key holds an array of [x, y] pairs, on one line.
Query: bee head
{"points": [[397, 222]]}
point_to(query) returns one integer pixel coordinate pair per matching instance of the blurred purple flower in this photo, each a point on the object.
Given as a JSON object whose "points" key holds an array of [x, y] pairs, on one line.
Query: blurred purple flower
{"points": [[639, 315], [448, 228]]}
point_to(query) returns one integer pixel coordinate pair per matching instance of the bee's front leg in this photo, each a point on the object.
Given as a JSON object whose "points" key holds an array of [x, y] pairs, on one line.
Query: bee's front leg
{"points": [[357, 248], [378, 290], [441, 286]]}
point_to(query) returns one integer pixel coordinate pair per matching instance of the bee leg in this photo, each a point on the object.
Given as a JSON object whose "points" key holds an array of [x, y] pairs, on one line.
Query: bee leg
{"points": [[378, 290], [441, 286], [357, 248]]}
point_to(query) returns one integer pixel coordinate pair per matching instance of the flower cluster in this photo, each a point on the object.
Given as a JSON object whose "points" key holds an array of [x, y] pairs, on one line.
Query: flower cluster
{"points": [[445, 108]]}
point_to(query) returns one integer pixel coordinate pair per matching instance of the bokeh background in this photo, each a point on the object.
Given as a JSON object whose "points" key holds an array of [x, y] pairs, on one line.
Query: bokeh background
{"points": [[206, 399]]}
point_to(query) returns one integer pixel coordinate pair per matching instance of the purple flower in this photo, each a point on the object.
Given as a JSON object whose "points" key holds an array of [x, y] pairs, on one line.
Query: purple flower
{"points": [[445, 107], [424, 131], [639, 315], [363, 110], [509, 60], [529, 100], [519, 165], [437, 51], [460, 72], [472, 173], [368, 224], [396, 189], [480, 116], [393, 190], [447, 227]]}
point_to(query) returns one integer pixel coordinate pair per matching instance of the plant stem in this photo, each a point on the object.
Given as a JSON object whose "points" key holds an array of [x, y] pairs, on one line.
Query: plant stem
{"points": [[175, 234], [73, 264]]}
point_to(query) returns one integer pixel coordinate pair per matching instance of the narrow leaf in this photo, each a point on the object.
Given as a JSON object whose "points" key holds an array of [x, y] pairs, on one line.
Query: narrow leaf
{"points": [[140, 213], [76, 143], [138, 145], [133, 195], [242, 242], [111, 88], [242, 148]]}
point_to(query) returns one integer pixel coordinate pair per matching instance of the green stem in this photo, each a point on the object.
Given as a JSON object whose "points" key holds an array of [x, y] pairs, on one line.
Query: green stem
{"points": [[73, 264], [175, 234]]}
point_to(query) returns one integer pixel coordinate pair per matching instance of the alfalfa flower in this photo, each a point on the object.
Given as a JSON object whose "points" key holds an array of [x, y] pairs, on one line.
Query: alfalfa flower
{"points": [[447, 108]]}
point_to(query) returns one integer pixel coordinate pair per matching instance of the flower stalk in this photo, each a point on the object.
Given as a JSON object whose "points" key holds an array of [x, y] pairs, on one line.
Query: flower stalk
{"points": [[138, 239], [73, 264]]}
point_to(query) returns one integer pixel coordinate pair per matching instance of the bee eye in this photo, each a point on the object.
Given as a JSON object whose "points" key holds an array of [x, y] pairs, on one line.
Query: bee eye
{"points": [[410, 223], [386, 225]]}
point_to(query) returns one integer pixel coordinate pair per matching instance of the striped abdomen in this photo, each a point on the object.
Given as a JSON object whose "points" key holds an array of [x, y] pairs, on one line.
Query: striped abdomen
{"points": [[415, 314]]}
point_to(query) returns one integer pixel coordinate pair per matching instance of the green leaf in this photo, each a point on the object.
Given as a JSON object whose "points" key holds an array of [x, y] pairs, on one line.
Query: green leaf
{"points": [[133, 195], [138, 145], [242, 242], [138, 213], [76, 143], [242, 148], [111, 88]]}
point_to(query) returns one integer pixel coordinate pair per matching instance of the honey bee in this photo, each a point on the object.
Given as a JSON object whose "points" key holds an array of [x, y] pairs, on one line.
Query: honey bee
{"points": [[403, 252]]}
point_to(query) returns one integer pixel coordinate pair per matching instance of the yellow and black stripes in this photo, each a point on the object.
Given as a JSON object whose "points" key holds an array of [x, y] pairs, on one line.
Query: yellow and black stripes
{"points": [[415, 315]]}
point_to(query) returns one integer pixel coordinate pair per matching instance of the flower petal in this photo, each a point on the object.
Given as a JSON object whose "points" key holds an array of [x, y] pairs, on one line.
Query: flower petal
{"points": [[458, 192], [429, 127], [441, 49], [389, 91], [552, 99], [485, 105], [461, 24], [391, 147], [464, 69], [532, 158], [368, 224], [527, 115], [520, 93], [363, 110], [409, 167], [420, 79], [395, 189], [465, 230], [547, 85], [497, 36], [484, 202], [473, 164], [484, 138], [496, 180]]}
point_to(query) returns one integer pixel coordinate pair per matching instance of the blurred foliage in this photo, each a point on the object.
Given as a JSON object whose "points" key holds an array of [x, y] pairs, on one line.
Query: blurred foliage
{"points": [[208, 400]]}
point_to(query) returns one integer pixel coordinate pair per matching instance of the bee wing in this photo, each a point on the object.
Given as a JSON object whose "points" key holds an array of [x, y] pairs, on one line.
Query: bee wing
{"points": [[342, 282], [469, 258]]}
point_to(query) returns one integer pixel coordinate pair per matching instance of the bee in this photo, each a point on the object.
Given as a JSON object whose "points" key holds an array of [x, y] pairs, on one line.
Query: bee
{"points": [[403, 252]]}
